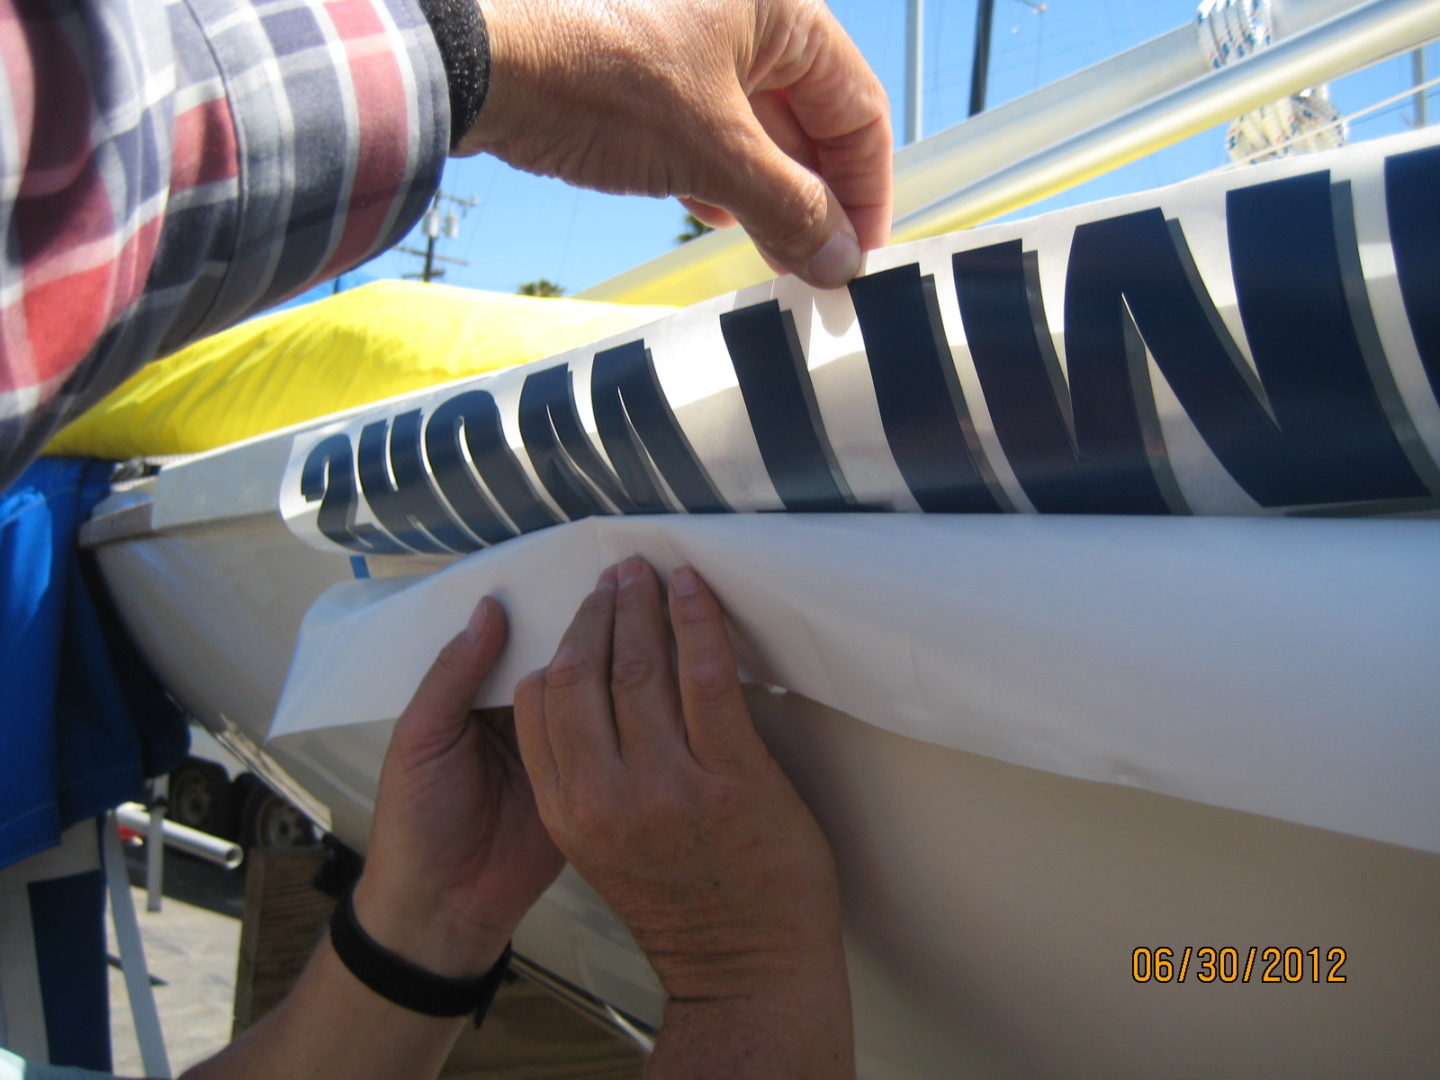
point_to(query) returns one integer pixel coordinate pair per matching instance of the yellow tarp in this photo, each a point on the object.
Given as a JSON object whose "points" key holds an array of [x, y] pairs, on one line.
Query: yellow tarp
{"points": [[360, 346]]}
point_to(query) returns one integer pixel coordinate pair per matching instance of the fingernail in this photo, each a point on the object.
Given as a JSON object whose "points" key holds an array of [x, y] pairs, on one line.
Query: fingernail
{"points": [[608, 578], [478, 618], [685, 581], [630, 570], [837, 261]]}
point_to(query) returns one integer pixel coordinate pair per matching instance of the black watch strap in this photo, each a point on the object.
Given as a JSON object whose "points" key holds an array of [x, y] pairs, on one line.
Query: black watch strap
{"points": [[410, 985]]}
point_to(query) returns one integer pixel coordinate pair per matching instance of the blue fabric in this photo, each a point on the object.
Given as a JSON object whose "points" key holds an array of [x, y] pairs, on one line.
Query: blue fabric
{"points": [[82, 721], [68, 916]]}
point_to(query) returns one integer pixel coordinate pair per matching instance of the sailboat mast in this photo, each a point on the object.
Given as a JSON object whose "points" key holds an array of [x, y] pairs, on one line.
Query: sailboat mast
{"points": [[980, 65]]}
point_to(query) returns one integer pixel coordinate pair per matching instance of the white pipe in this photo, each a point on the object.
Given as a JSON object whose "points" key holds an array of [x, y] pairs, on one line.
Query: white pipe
{"points": [[182, 838], [155, 853]]}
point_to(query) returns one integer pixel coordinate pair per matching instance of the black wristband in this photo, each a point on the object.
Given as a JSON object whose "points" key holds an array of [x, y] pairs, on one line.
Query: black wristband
{"points": [[464, 45], [409, 985]]}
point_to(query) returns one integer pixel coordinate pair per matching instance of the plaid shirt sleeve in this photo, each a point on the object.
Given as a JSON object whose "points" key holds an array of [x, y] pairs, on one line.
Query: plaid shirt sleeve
{"points": [[171, 166]]}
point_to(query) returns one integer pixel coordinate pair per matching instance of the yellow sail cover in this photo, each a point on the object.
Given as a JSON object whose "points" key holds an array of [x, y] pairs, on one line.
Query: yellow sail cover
{"points": [[360, 346]]}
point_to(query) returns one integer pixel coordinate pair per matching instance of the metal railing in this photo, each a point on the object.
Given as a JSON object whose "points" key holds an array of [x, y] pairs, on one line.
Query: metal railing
{"points": [[1377, 31]]}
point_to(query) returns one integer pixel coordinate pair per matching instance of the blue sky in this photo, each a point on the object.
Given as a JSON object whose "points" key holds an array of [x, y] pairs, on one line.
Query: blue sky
{"points": [[527, 227]]}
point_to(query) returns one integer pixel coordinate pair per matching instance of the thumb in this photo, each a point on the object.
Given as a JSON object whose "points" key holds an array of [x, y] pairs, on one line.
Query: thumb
{"points": [[792, 215]]}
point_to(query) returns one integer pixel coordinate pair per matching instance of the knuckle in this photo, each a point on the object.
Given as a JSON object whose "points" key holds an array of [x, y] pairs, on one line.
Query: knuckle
{"points": [[529, 695], [530, 687], [691, 609], [801, 214], [570, 668], [709, 681], [457, 659], [600, 600], [631, 669]]}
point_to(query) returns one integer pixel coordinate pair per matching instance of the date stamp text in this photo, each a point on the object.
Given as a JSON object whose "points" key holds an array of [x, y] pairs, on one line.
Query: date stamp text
{"points": [[1243, 964]]}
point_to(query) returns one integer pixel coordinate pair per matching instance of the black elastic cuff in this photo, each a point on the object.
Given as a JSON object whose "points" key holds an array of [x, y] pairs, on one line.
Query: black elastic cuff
{"points": [[464, 45], [409, 985]]}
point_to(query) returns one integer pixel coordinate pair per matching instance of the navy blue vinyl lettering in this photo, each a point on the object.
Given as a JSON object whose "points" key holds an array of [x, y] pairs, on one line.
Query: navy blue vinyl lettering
{"points": [[780, 401], [632, 464], [918, 392], [1412, 201], [329, 478], [555, 387], [1314, 434], [407, 506], [474, 417], [1334, 442], [998, 290], [547, 415], [641, 436], [1123, 281]]}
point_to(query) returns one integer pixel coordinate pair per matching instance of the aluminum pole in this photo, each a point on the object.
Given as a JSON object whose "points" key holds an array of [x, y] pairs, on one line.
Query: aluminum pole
{"points": [[202, 845], [914, 69], [155, 853]]}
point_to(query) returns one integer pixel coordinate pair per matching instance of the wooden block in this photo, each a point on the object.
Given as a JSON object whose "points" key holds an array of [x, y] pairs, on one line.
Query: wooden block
{"points": [[285, 916]]}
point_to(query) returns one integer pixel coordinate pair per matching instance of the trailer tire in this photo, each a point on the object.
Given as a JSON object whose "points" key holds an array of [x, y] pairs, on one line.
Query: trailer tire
{"points": [[200, 797], [270, 821]]}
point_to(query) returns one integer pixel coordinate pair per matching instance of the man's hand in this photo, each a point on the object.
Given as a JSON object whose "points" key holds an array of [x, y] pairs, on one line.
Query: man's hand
{"points": [[457, 856], [652, 779], [761, 111], [458, 853]]}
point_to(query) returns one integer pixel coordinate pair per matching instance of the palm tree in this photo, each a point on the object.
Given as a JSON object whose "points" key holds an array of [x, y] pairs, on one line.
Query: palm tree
{"points": [[543, 287], [693, 227]]}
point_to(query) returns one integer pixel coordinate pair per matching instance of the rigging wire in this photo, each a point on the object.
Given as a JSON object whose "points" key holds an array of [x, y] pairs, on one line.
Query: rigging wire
{"points": [[569, 235]]}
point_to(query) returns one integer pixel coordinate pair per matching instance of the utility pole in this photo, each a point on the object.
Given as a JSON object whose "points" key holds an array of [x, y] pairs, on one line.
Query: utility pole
{"points": [[434, 223]]}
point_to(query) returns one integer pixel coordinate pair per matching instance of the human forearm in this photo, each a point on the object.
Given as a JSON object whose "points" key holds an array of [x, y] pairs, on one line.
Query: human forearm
{"points": [[793, 1025], [332, 1025]]}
